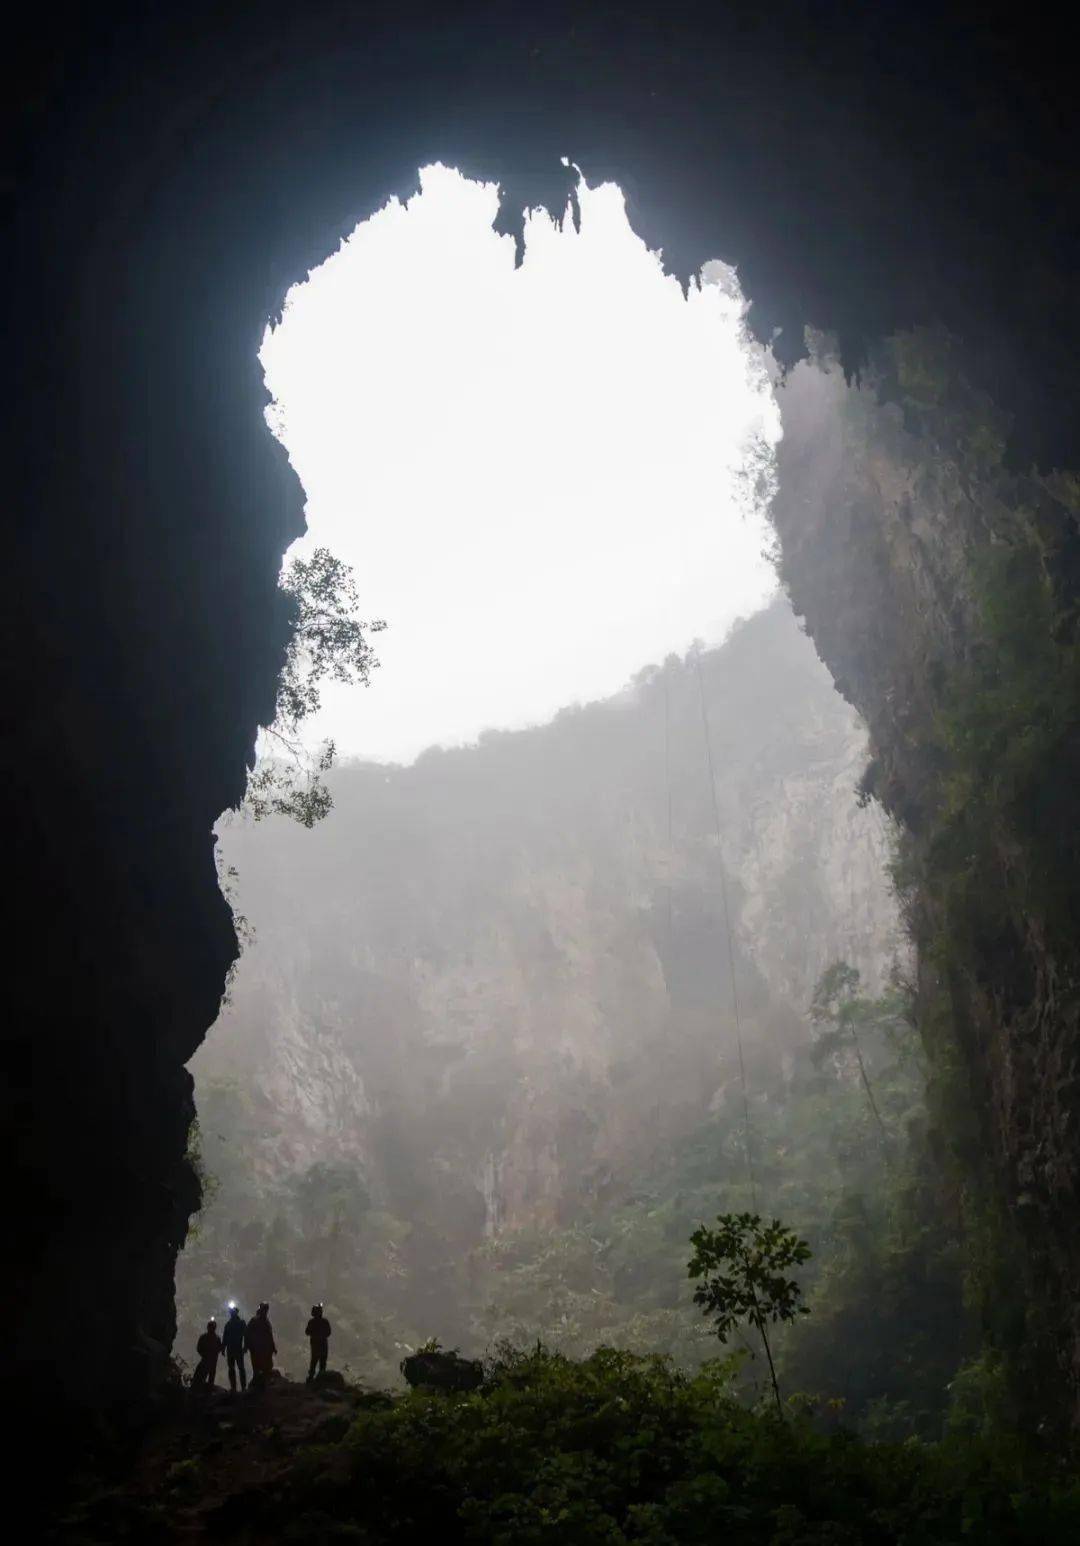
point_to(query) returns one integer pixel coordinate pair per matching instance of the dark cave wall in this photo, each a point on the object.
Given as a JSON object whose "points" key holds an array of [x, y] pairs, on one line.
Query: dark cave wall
{"points": [[941, 589], [175, 169], [146, 632]]}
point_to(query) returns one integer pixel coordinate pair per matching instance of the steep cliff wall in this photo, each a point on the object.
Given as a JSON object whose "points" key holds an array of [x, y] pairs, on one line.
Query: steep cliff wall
{"points": [[494, 988], [941, 590], [146, 634]]}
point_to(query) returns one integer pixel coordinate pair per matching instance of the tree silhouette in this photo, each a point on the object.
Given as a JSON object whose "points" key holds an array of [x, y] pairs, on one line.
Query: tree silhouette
{"points": [[742, 1264], [329, 642]]}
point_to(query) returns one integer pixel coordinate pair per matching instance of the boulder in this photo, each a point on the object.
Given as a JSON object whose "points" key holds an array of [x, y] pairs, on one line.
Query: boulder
{"points": [[442, 1371]]}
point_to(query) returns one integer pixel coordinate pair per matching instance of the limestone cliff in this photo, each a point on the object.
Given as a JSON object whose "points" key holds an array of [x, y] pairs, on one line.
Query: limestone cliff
{"points": [[495, 977], [941, 589]]}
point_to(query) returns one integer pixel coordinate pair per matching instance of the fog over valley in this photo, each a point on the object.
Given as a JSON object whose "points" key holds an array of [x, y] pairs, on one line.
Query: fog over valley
{"points": [[486, 1019]]}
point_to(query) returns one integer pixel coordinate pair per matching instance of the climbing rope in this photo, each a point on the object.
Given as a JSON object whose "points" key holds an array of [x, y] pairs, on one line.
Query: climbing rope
{"points": [[668, 861], [667, 785], [747, 1142]]}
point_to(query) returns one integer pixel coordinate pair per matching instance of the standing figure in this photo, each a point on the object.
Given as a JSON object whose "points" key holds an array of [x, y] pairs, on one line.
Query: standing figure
{"points": [[317, 1332], [234, 1341], [261, 1346], [208, 1348]]}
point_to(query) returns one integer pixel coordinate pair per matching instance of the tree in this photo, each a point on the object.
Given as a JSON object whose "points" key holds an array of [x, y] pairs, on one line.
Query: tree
{"points": [[329, 642], [742, 1264], [841, 1017]]}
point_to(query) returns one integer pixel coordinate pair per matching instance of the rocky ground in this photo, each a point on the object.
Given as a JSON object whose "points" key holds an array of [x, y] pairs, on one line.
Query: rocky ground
{"points": [[213, 1465]]}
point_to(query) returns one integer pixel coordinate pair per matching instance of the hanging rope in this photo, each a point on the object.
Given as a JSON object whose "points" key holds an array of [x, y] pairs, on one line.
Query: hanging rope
{"points": [[730, 946], [667, 785], [659, 1107], [868, 1087], [863, 1074]]}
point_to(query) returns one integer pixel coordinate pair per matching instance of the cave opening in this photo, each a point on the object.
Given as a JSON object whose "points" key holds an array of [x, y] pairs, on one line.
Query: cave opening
{"points": [[903, 180], [594, 833], [537, 471]]}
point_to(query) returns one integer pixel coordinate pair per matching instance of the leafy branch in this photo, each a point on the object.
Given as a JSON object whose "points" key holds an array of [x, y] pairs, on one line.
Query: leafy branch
{"points": [[742, 1264], [329, 643]]}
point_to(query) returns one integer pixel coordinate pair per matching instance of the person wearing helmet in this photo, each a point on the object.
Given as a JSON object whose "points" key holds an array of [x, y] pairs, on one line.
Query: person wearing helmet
{"points": [[208, 1348], [317, 1332], [261, 1346], [234, 1341]]}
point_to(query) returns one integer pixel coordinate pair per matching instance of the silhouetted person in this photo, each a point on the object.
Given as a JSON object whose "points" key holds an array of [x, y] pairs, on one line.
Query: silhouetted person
{"points": [[234, 1341], [261, 1345], [317, 1332], [208, 1348]]}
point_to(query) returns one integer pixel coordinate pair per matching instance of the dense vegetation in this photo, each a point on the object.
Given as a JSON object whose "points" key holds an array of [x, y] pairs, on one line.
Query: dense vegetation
{"points": [[621, 1448], [939, 581], [328, 643], [841, 1148], [614, 1448], [984, 775]]}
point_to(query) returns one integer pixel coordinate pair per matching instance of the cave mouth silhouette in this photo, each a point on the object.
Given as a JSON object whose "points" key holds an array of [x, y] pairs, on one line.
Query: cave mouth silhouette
{"points": [[333, 327], [175, 172]]}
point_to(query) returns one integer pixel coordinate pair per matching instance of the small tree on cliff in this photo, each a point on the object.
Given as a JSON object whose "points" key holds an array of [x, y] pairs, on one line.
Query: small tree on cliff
{"points": [[329, 642], [742, 1264]]}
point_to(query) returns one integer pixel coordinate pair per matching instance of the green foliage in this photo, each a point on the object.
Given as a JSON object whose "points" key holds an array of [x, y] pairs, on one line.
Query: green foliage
{"points": [[888, 1327], [228, 883], [842, 1018], [979, 1404], [208, 1182], [888, 1324], [618, 1449], [1006, 727], [741, 1264], [185, 1475], [329, 643], [991, 870], [292, 785], [976, 750]]}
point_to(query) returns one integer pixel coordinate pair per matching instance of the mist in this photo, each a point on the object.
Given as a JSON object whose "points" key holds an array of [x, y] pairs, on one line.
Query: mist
{"points": [[557, 976]]}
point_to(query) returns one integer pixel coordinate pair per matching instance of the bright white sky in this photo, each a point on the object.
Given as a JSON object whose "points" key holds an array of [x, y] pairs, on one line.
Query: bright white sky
{"points": [[533, 473]]}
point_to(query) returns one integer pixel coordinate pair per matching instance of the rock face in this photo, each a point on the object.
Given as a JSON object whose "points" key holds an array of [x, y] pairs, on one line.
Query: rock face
{"points": [[941, 590], [500, 952], [442, 1371], [146, 638]]}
